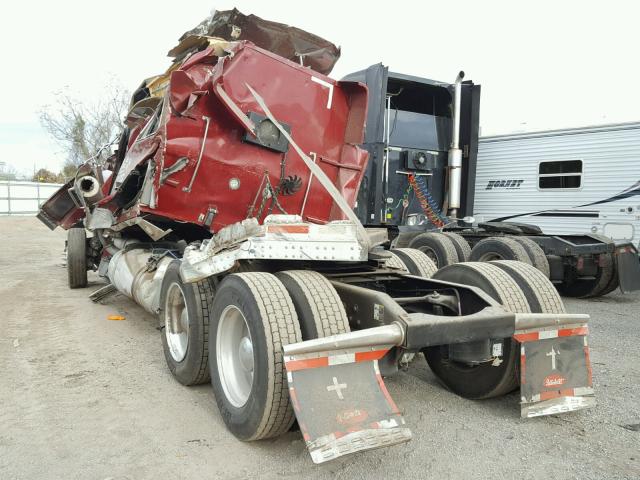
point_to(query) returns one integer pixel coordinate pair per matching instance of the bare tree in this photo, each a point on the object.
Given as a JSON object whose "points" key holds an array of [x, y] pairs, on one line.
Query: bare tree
{"points": [[8, 172], [82, 129]]}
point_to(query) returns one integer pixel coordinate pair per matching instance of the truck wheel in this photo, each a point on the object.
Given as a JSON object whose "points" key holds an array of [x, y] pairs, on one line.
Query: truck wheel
{"points": [[485, 380], [541, 295], [318, 306], [416, 262], [536, 254], [461, 245], [438, 247], [403, 239], [592, 287], [396, 262], [184, 319], [499, 248], [251, 319], [614, 282], [77, 257]]}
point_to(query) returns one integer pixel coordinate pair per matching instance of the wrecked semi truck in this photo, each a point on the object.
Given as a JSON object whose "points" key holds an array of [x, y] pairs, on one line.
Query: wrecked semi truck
{"points": [[228, 211], [420, 182]]}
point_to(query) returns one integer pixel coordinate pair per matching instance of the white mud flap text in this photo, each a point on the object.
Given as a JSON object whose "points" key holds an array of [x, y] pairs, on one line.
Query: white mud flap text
{"points": [[555, 370], [342, 404]]}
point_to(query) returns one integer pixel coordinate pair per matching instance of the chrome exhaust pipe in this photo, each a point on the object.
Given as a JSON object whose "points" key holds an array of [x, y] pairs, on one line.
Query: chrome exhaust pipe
{"points": [[455, 153]]}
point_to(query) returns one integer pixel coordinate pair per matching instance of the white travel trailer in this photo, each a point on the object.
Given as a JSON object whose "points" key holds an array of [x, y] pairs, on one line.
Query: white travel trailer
{"points": [[573, 181]]}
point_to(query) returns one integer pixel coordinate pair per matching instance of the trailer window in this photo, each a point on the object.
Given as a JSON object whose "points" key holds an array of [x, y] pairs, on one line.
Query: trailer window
{"points": [[565, 174]]}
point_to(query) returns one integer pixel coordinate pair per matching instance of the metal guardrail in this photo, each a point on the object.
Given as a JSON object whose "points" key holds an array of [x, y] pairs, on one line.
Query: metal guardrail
{"points": [[24, 198]]}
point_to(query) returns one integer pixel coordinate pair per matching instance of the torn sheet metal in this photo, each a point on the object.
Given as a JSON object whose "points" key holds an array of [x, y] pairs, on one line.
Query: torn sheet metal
{"points": [[289, 42], [555, 371], [342, 404]]}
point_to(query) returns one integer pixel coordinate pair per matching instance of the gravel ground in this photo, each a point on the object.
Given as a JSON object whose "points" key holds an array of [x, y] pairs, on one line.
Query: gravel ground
{"points": [[85, 397]]}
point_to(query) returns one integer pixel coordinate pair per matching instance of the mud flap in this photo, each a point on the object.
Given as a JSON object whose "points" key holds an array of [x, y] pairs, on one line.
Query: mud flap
{"points": [[555, 371], [628, 268], [342, 404]]}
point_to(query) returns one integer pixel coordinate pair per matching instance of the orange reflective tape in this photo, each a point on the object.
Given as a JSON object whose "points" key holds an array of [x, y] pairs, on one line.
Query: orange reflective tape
{"points": [[373, 355], [526, 337], [288, 229], [569, 332], [295, 365], [385, 392], [588, 361]]}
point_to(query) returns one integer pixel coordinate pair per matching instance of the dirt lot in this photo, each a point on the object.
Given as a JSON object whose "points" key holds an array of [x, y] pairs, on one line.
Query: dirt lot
{"points": [[85, 397]]}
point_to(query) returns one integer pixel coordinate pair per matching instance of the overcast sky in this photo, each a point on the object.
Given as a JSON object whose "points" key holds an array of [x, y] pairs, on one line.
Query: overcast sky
{"points": [[542, 64]]}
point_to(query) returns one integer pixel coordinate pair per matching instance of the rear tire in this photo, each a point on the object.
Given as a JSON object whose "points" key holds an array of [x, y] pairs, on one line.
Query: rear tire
{"points": [[499, 248], [318, 306], [438, 247], [252, 318], [541, 295], [536, 254], [614, 283], [404, 239], [594, 287], [184, 320], [416, 262], [77, 257], [484, 380], [461, 245], [394, 261]]}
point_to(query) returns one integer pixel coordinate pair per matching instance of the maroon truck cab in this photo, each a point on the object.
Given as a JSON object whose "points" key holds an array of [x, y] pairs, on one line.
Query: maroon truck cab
{"points": [[207, 155]]}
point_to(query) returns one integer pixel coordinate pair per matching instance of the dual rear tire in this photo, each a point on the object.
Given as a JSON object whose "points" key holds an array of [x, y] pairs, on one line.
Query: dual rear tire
{"points": [[252, 318], [256, 314], [237, 337], [519, 288], [521, 249]]}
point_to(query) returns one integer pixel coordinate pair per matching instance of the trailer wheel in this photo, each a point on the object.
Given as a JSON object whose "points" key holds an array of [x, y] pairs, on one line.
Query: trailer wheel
{"points": [[461, 245], [77, 257], [592, 287], [541, 295], [396, 262], [438, 248], [499, 248], [484, 380], [416, 262], [536, 254], [184, 319], [252, 318], [318, 306]]}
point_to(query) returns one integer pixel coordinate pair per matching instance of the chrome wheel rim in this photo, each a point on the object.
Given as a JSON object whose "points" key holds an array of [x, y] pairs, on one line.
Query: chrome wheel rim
{"points": [[234, 356], [176, 323]]}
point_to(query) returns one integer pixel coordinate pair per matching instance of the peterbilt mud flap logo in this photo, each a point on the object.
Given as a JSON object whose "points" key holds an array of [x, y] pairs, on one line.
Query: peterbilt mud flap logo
{"points": [[555, 370], [507, 184], [553, 380]]}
